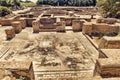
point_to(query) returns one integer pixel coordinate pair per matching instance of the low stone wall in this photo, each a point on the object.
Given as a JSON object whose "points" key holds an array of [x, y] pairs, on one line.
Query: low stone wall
{"points": [[109, 43], [57, 12], [28, 15], [68, 20], [107, 20], [60, 27], [87, 28], [7, 22], [21, 68], [108, 67], [47, 23], [100, 29], [77, 25], [29, 21]]}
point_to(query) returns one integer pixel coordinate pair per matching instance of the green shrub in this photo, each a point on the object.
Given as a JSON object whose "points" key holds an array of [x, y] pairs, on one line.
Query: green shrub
{"points": [[4, 11]]}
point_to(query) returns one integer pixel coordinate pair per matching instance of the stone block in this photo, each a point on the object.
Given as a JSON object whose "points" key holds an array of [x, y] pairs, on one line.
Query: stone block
{"points": [[23, 68], [10, 33], [76, 25], [87, 28], [17, 26], [109, 43], [61, 27], [107, 20], [108, 67]]}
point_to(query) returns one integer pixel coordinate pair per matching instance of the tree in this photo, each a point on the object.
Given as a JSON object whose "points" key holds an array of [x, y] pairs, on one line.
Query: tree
{"points": [[67, 2], [4, 11], [110, 8], [9, 3]]}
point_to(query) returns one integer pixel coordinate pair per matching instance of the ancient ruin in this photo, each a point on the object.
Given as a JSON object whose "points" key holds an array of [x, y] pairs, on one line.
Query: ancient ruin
{"points": [[59, 43]]}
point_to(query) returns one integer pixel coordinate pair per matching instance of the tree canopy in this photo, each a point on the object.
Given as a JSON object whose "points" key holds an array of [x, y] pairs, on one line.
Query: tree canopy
{"points": [[9, 3], [110, 8], [67, 2]]}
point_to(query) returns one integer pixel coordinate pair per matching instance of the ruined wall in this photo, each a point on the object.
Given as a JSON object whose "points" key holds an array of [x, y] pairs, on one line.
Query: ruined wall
{"points": [[18, 68], [100, 29], [47, 23], [8, 21], [107, 20], [29, 21], [108, 67], [77, 25], [57, 12]]}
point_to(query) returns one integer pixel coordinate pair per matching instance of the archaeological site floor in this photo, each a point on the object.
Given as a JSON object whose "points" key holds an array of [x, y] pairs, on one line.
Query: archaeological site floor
{"points": [[59, 43]]}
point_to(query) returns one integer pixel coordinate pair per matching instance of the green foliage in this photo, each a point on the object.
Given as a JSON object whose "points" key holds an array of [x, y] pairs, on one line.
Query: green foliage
{"points": [[27, 4], [9, 3], [4, 11], [67, 2], [110, 8]]}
